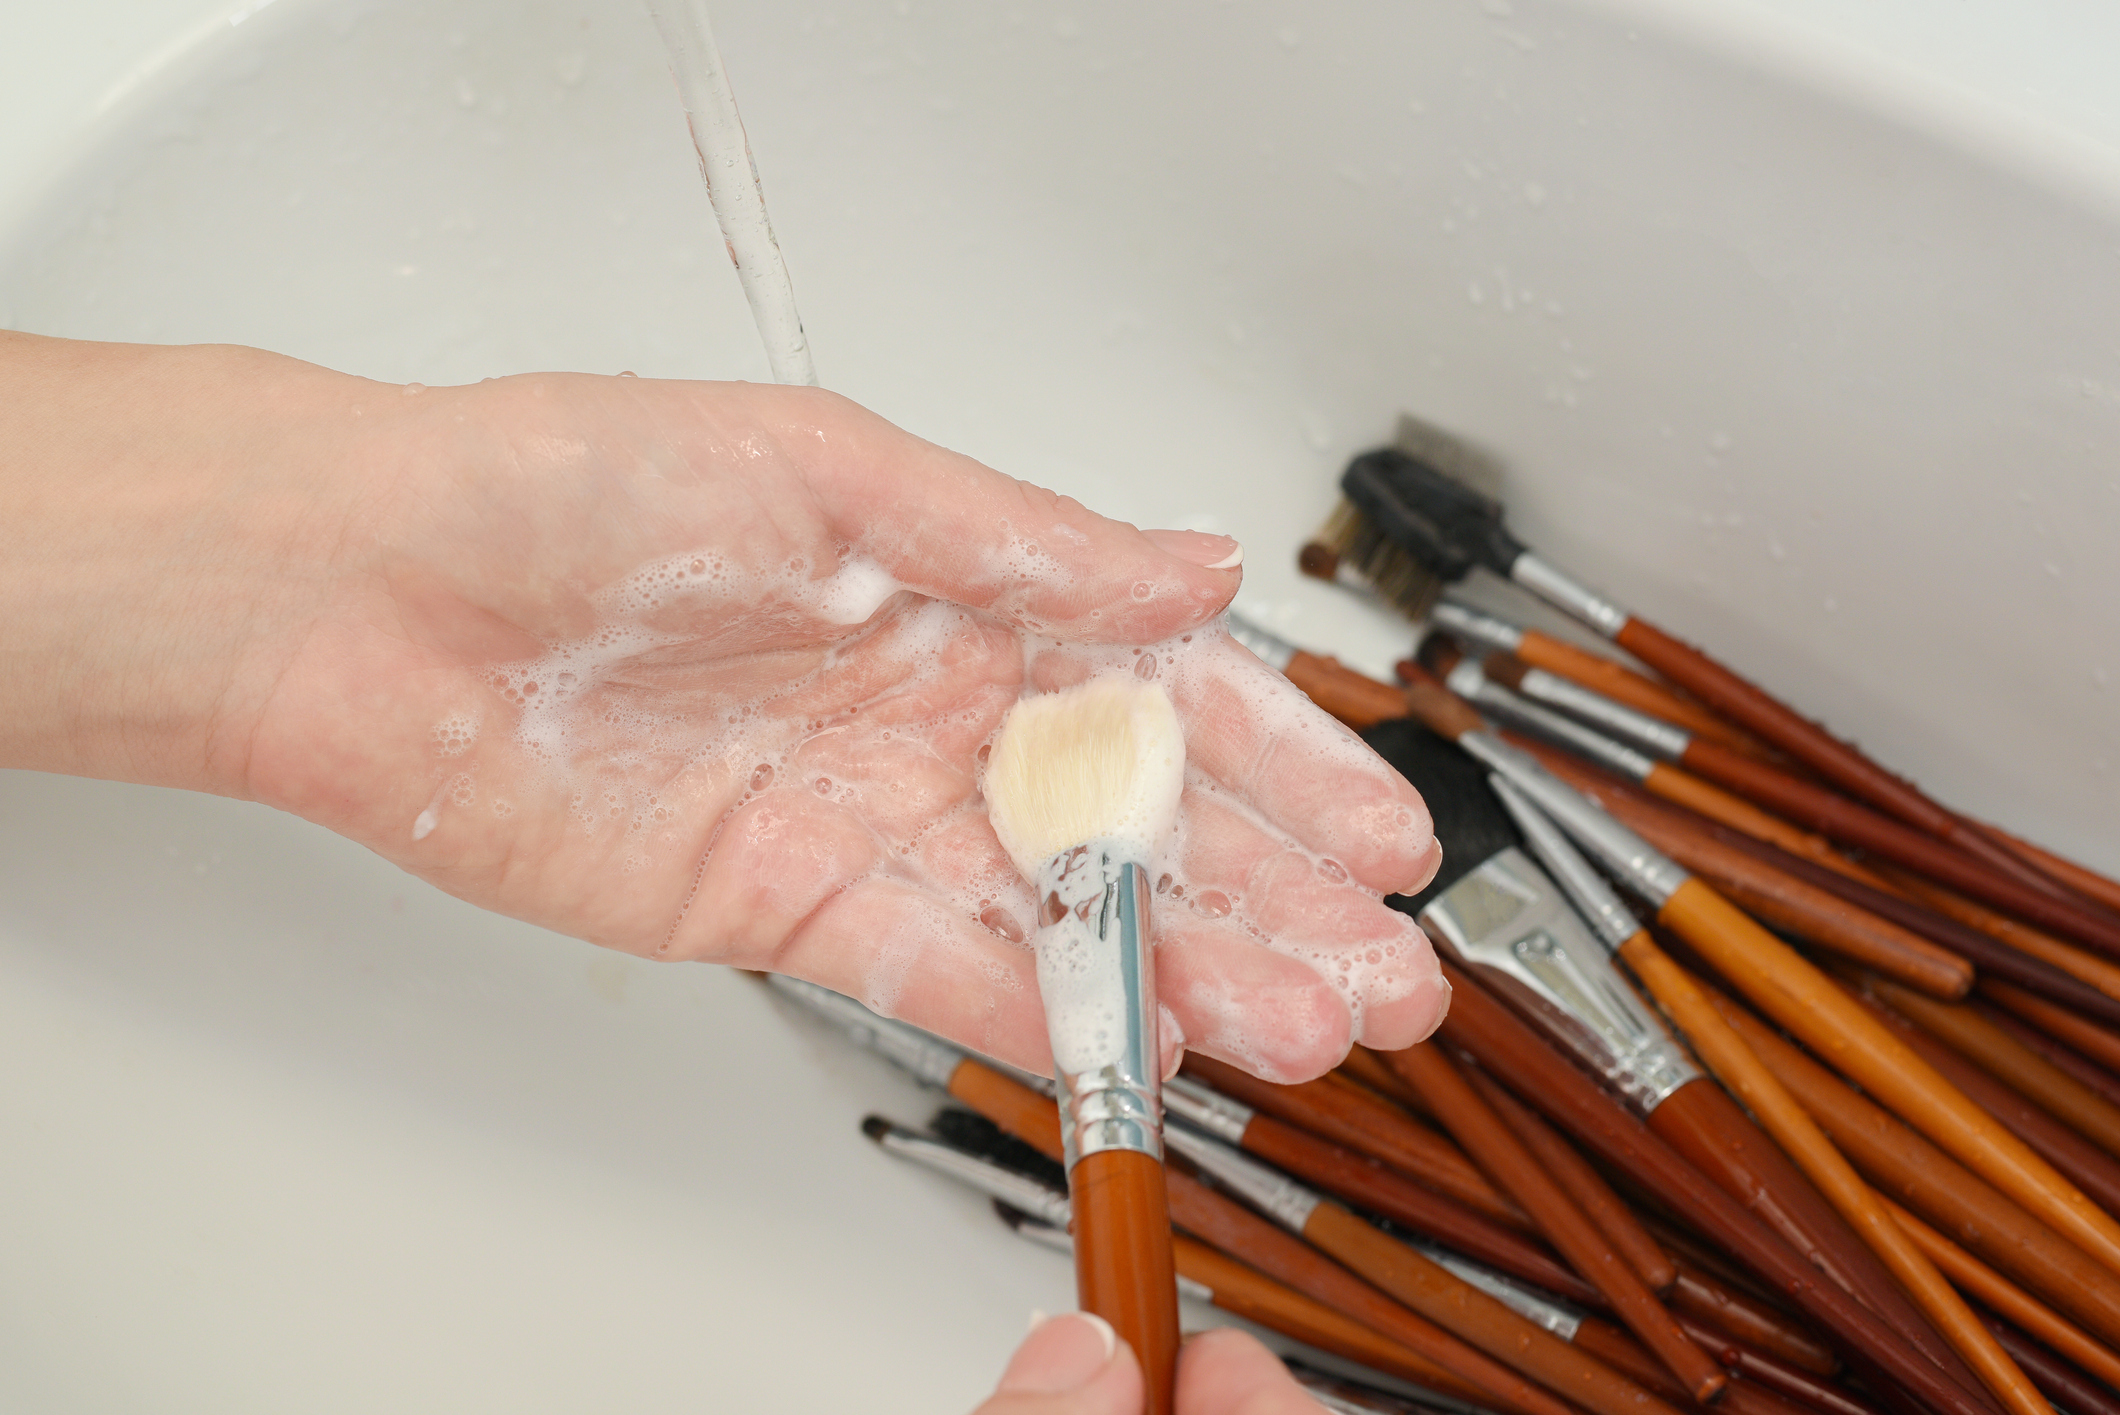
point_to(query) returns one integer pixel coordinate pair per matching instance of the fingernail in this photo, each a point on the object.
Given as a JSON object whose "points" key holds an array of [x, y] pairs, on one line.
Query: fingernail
{"points": [[1209, 552], [1061, 1354]]}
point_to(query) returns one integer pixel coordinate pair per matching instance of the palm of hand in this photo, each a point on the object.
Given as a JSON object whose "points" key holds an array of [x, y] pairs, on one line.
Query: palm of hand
{"points": [[632, 660]]}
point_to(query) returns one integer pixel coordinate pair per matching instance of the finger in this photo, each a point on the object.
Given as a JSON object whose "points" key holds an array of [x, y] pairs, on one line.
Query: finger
{"points": [[943, 524], [902, 953], [1257, 735], [1243, 1003], [1375, 956], [1072, 1364], [1228, 1372]]}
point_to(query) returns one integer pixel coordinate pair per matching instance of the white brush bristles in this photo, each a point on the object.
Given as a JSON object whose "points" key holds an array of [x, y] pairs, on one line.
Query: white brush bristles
{"points": [[1105, 760]]}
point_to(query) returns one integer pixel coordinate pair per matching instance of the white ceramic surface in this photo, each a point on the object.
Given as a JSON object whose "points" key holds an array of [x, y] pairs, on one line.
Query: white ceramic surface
{"points": [[1804, 346]]}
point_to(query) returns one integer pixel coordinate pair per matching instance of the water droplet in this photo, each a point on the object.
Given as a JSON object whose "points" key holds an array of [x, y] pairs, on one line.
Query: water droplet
{"points": [[1163, 885], [824, 785], [1143, 591], [1213, 903], [412, 388], [1002, 922], [1333, 870], [985, 752], [763, 777], [1145, 666]]}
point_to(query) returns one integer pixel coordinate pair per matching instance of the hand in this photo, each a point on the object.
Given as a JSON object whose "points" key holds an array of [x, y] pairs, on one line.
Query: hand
{"points": [[696, 671], [1073, 1365]]}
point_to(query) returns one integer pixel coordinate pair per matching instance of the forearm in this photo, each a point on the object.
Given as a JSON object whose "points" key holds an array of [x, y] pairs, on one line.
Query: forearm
{"points": [[167, 516]]}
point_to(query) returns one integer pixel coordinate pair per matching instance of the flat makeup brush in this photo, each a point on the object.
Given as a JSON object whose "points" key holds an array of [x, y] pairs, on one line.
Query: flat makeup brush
{"points": [[1798, 1135], [1082, 788], [1446, 528], [1496, 912], [1788, 987]]}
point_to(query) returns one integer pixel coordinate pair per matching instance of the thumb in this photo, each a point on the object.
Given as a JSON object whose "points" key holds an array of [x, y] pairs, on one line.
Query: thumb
{"points": [[1072, 1364], [947, 526]]}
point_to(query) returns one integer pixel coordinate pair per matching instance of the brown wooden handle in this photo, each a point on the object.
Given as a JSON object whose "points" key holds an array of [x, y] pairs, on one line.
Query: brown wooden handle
{"points": [[1530, 1067], [1780, 725], [1624, 685], [1378, 1189], [1702, 1123], [1813, 1008], [1354, 698], [1246, 1293], [1367, 1125], [1627, 1356], [1796, 907], [1235, 1230], [1123, 1267], [1838, 818], [1490, 1141], [1699, 1298], [1915, 1173], [1475, 1317]]}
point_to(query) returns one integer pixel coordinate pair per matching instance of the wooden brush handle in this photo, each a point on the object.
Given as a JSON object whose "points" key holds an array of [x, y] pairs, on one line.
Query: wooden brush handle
{"points": [[1375, 1188], [1841, 819], [2098, 888], [1819, 1012], [1703, 1124], [1498, 1150], [2095, 1042], [1235, 1230], [1797, 907], [1780, 726], [1370, 1126], [1996, 1292], [1365, 1068], [1244, 1292], [1123, 1268], [1624, 685], [1915, 1173], [1581, 1182], [1767, 1387], [1973, 1036], [1479, 1319], [1015, 1107], [1354, 698], [1796, 1132], [1530, 1067], [2068, 1387], [2078, 963], [1699, 1300], [2089, 1168]]}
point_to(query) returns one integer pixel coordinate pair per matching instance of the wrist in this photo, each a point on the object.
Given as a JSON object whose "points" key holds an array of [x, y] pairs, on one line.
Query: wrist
{"points": [[168, 518]]}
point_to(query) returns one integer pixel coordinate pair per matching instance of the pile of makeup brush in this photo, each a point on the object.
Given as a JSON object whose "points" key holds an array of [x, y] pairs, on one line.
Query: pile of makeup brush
{"points": [[1817, 1110]]}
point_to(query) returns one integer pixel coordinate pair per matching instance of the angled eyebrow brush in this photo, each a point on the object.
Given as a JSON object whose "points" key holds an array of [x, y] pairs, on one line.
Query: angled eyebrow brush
{"points": [[1422, 528]]}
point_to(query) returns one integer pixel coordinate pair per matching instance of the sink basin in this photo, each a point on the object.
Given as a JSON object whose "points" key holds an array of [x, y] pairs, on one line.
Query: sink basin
{"points": [[1809, 371]]}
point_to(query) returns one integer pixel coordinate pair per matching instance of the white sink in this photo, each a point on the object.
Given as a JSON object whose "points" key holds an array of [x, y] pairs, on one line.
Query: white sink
{"points": [[1777, 340]]}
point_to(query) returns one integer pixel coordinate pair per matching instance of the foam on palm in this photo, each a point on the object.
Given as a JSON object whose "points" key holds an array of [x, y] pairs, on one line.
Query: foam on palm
{"points": [[1101, 761]]}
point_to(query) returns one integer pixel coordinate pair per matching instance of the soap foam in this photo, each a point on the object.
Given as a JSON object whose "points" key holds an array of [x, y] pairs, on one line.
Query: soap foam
{"points": [[691, 699]]}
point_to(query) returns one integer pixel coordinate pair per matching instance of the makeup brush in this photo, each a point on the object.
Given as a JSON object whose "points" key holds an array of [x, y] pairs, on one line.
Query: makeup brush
{"points": [[1356, 1120], [1493, 910], [1508, 1048], [1417, 1281], [1563, 671], [1354, 698], [1798, 1135], [1446, 528], [1787, 986], [1908, 1169], [1802, 802], [1992, 955], [1082, 788]]}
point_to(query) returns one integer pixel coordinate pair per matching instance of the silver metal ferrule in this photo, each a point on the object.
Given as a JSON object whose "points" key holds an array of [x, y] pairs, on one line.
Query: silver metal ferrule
{"points": [[1513, 926], [1651, 734], [1539, 1308], [1465, 622], [1207, 1109], [931, 1060], [1034, 1197], [1267, 1190], [1049, 1235], [1578, 878], [1097, 976], [1646, 870], [1470, 682], [1549, 583], [1273, 650]]}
